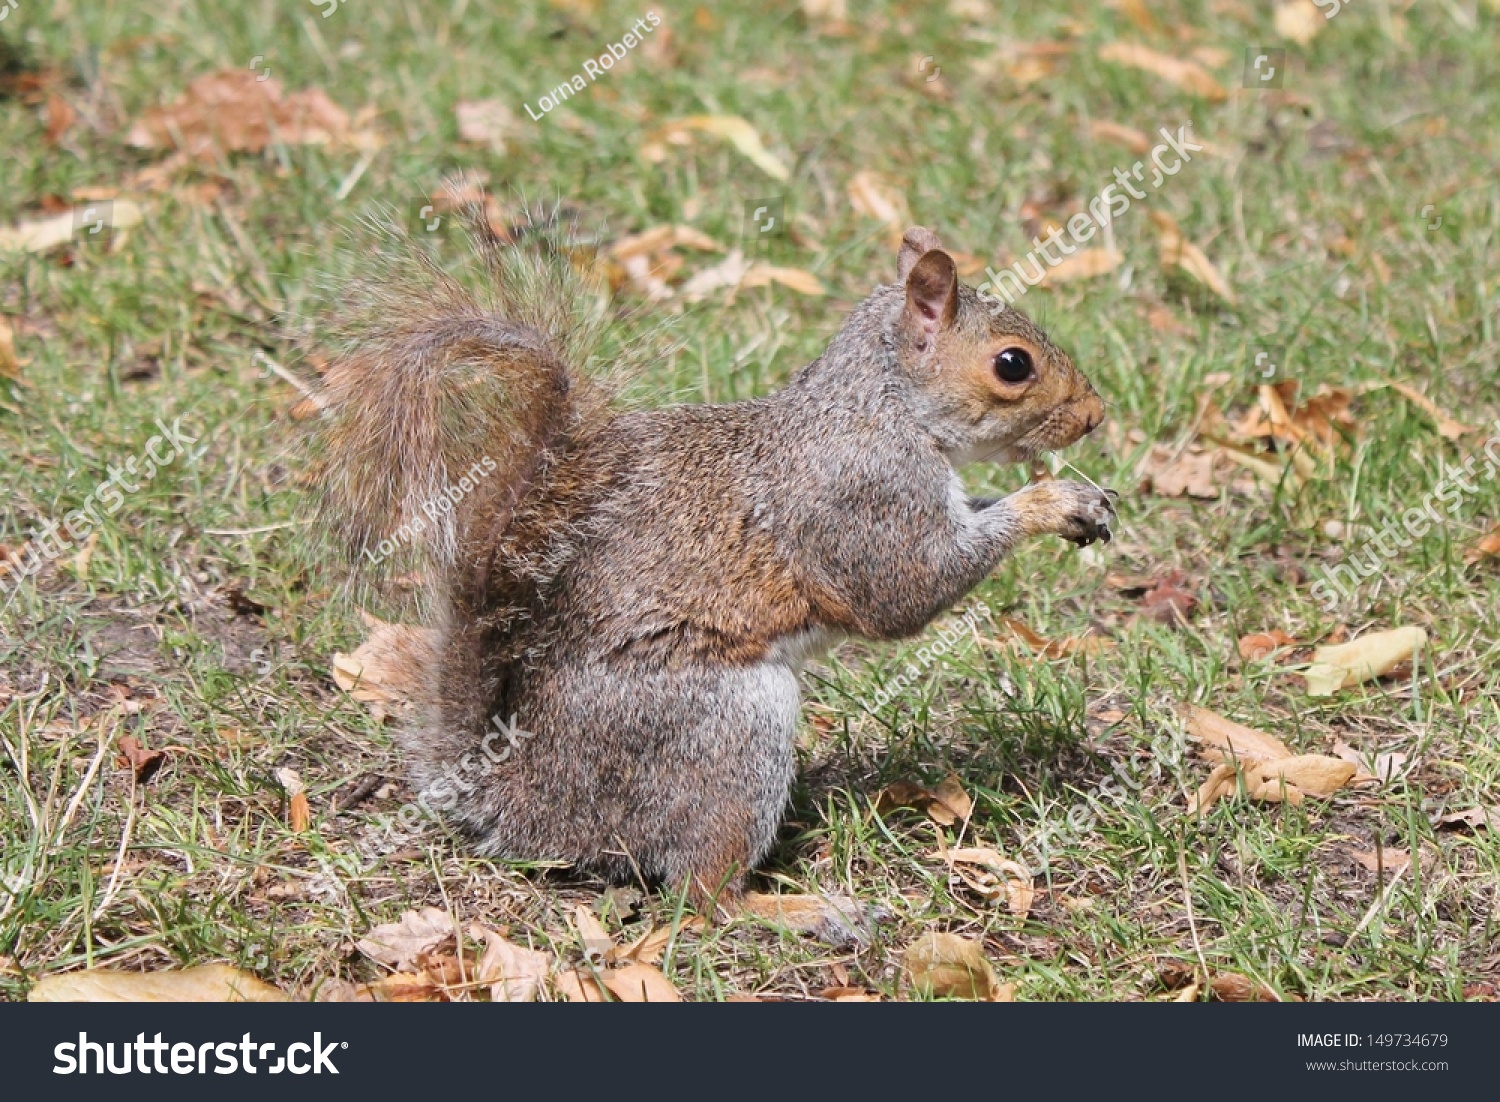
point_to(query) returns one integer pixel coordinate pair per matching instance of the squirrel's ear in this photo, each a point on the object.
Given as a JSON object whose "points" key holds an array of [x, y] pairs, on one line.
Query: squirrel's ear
{"points": [[931, 291], [917, 242]]}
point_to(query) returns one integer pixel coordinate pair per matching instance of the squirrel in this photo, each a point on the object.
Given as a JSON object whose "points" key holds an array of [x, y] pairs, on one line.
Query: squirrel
{"points": [[637, 589]]}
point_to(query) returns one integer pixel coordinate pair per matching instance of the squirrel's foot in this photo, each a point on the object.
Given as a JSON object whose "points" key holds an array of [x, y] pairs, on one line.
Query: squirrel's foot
{"points": [[1079, 512], [1093, 517]]}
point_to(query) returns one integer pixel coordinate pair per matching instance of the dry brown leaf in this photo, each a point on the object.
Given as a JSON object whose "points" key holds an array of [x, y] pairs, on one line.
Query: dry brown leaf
{"points": [[208, 983], [881, 200], [735, 130], [798, 280], [1388, 860], [579, 987], [233, 112], [10, 366], [1229, 987], [1084, 264], [484, 122], [46, 233], [640, 983], [1364, 659], [1187, 75], [832, 919], [1052, 648], [1167, 601], [402, 987], [1128, 136], [729, 272], [1312, 774], [597, 944], [1476, 817], [951, 804], [946, 966], [945, 805], [142, 762], [1011, 879], [514, 973], [1189, 473], [298, 812], [651, 946], [849, 995], [1487, 547], [382, 669], [403, 945], [660, 238], [1448, 427], [1220, 783], [61, 115], [1388, 765], [1298, 20], [1264, 644], [1225, 740], [1178, 252]]}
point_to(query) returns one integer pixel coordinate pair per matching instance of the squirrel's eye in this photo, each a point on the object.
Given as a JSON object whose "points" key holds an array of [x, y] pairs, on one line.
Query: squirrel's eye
{"points": [[1013, 365]]}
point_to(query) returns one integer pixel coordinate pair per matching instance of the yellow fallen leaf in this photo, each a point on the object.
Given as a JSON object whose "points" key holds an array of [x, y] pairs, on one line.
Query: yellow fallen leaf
{"points": [[735, 130], [403, 945], [1225, 740], [1014, 882], [640, 983], [1084, 264], [1128, 136], [597, 944], [946, 966], [1298, 20], [1314, 774], [1449, 428], [43, 234], [798, 280], [1487, 547], [514, 973], [1187, 75], [10, 366], [1362, 659], [1177, 251], [384, 669], [208, 983]]}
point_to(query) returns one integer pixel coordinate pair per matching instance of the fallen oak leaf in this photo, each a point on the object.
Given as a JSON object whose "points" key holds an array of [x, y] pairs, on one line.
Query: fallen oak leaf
{"points": [[403, 945], [514, 973], [1089, 263], [1262, 645], [1487, 547], [946, 966], [945, 805], [737, 131], [597, 944], [1311, 774], [208, 983], [1475, 817], [1226, 741], [1177, 251], [142, 762], [803, 282], [1187, 75], [1364, 659], [640, 983], [1049, 648], [832, 919], [46, 233], [1014, 883]]}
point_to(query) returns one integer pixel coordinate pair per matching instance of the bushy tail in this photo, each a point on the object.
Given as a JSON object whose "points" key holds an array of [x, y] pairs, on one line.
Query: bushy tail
{"points": [[446, 396]]}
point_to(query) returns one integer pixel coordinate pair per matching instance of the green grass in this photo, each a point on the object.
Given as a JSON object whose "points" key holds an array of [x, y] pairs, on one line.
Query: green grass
{"points": [[1310, 201]]}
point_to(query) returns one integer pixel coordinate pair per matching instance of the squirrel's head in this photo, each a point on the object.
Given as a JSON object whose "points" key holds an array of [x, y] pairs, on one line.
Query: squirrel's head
{"points": [[992, 386]]}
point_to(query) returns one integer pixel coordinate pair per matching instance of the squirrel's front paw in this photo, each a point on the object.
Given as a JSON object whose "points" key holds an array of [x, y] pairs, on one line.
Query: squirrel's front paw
{"points": [[1087, 513]]}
